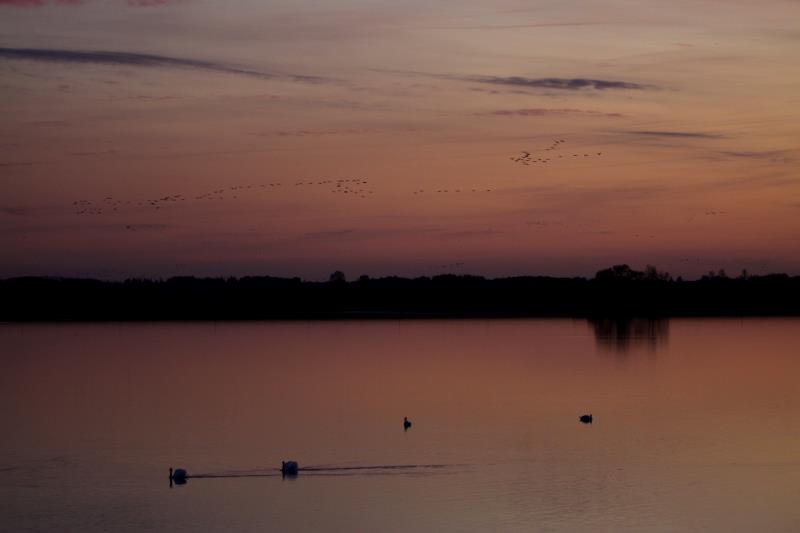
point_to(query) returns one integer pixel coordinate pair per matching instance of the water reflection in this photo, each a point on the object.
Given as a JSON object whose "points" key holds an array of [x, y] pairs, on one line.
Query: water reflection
{"points": [[622, 335], [100, 411]]}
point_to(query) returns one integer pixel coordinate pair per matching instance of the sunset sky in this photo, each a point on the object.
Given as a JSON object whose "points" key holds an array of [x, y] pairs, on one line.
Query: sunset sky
{"points": [[148, 137]]}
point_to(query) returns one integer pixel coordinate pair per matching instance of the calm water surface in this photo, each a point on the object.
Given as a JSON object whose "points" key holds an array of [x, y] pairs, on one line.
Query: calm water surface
{"points": [[696, 426]]}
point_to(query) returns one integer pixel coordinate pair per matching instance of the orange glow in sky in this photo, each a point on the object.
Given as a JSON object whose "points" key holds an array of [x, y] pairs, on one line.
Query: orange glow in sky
{"points": [[149, 138]]}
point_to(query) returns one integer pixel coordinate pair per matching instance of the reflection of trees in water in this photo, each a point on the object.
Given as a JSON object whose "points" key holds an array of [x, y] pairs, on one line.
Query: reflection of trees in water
{"points": [[624, 334]]}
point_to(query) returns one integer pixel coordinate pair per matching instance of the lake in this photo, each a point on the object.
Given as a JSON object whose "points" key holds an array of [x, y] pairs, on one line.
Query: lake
{"points": [[695, 426]]}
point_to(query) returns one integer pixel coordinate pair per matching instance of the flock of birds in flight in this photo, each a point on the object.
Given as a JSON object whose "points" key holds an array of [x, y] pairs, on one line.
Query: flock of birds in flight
{"points": [[354, 187], [347, 187], [530, 158]]}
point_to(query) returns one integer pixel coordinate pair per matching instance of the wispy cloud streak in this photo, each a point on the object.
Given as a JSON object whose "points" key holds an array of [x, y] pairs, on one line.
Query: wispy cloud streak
{"points": [[39, 3], [514, 26], [676, 134], [43, 3], [775, 156], [152, 3], [521, 82], [136, 60], [543, 112], [570, 84], [15, 211]]}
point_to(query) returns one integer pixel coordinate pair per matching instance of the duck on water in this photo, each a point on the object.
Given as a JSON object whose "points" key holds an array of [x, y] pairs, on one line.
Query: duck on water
{"points": [[178, 476], [586, 419], [289, 468]]}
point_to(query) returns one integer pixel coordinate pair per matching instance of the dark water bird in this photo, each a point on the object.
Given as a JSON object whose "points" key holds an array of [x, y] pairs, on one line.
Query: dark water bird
{"points": [[289, 468], [406, 423], [178, 476], [586, 419]]}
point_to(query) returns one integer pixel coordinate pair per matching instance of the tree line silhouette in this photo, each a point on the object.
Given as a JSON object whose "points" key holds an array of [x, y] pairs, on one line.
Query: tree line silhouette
{"points": [[615, 292]]}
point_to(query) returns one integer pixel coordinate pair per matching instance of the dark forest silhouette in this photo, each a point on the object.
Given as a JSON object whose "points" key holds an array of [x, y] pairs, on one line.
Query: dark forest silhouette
{"points": [[615, 292]]}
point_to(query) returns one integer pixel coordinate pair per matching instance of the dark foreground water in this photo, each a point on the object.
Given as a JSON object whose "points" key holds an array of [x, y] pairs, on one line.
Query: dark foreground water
{"points": [[696, 426]]}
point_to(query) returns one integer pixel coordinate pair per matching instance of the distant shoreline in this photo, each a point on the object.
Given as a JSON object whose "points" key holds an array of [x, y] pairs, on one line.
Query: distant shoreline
{"points": [[614, 293]]}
